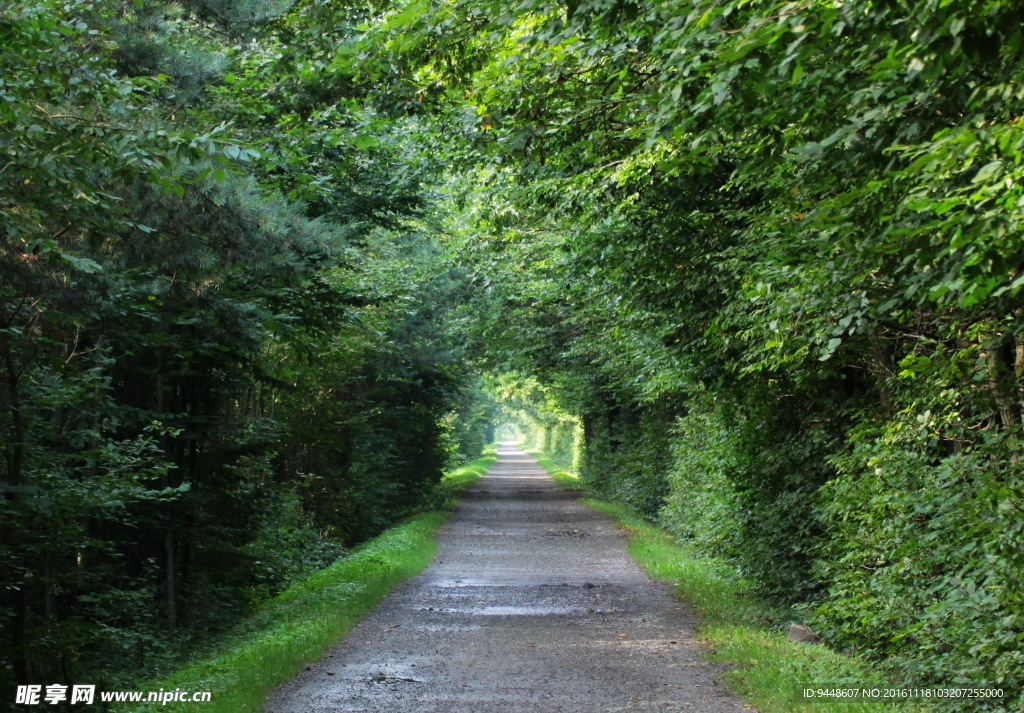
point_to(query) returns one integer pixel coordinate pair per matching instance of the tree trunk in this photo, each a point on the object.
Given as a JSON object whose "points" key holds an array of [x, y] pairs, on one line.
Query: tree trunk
{"points": [[172, 601], [15, 457], [882, 368], [613, 417], [1003, 379]]}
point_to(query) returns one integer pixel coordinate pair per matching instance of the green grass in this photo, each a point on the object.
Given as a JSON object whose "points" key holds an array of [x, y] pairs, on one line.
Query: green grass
{"points": [[769, 671], [299, 624], [446, 492]]}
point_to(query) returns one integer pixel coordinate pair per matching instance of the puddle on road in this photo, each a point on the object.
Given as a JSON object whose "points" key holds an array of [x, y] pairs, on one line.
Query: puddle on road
{"points": [[509, 610], [383, 672], [445, 628], [460, 583]]}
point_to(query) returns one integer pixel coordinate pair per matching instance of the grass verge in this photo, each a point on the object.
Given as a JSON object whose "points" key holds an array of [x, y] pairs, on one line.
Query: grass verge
{"points": [[461, 478], [558, 474], [296, 626], [769, 671]]}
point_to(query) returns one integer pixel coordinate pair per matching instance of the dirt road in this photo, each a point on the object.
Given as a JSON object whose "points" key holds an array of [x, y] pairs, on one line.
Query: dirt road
{"points": [[531, 606]]}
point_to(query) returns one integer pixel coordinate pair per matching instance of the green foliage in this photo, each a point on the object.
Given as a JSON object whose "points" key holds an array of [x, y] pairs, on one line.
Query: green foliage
{"points": [[777, 472], [923, 548], [225, 348], [557, 439], [704, 506], [625, 455]]}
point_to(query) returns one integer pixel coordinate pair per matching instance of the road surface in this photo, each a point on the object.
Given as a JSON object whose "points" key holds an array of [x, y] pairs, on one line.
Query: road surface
{"points": [[530, 606]]}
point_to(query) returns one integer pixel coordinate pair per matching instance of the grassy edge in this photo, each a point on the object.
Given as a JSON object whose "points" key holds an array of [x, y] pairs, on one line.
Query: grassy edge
{"points": [[767, 670], [297, 626], [562, 477]]}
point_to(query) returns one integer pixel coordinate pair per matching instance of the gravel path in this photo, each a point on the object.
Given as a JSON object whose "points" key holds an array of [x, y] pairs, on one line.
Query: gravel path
{"points": [[531, 606]]}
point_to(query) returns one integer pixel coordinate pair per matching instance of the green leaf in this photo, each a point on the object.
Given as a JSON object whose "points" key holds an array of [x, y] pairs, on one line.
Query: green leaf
{"points": [[365, 141], [82, 264], [988, 171]]}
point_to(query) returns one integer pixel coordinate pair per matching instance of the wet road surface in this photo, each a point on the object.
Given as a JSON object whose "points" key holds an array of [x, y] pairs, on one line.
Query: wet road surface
{"points": [[530, 606]]}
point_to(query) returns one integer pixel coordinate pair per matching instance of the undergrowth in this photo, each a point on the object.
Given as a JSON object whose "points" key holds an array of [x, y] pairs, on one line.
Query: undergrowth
{"points": [[299, 624]]}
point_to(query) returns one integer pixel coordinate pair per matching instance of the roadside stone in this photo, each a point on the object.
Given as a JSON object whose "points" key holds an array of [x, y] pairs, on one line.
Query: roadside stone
{"points": [[803, 634]]}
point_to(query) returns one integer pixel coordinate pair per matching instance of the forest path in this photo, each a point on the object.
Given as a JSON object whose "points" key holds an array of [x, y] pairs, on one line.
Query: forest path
{"points": [[531, 606]]}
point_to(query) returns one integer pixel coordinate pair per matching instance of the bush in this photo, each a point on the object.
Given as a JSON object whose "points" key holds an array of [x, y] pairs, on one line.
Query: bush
{"points": [[923, 556]]}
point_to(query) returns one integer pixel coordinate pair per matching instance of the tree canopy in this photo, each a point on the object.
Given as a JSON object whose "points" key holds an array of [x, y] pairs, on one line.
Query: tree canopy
{"points": [[755, 267]]}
